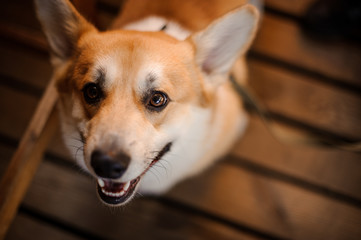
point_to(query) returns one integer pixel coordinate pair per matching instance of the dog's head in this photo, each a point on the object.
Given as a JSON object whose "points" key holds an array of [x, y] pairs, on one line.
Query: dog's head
{"points": [[126, 97]]}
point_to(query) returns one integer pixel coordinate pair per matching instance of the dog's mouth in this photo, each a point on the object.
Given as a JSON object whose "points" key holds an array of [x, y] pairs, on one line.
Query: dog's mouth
{"points": [[114, 193], [117, 193]]}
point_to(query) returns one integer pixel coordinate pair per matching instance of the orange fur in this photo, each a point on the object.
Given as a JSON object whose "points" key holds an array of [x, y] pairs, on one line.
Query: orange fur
{"points": [[194, 15]]}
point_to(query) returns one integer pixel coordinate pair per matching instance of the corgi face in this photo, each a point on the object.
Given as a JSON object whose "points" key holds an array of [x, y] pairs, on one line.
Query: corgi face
{"points": [[130, 99]]}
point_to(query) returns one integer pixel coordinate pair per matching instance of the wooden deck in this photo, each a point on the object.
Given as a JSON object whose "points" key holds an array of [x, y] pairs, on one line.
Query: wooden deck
{"points": [[262, 190]]}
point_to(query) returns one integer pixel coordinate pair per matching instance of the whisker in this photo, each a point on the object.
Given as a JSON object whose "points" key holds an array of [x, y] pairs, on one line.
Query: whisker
{"points": [[156, 176]]}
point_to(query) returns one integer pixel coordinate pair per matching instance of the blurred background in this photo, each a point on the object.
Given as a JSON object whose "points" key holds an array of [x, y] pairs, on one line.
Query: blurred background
{"points": [[305, 66]]}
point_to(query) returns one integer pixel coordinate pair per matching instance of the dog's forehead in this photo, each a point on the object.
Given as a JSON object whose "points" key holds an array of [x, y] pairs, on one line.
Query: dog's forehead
{"points": [[140, 60], [121, 68]]}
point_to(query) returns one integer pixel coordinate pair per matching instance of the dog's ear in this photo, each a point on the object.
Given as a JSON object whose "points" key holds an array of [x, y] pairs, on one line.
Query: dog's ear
{"points": [[226, 39], [63, 26]]}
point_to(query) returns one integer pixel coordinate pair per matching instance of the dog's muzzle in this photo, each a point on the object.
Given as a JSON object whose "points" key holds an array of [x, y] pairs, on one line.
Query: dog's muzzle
{"points": [[108, 169]]}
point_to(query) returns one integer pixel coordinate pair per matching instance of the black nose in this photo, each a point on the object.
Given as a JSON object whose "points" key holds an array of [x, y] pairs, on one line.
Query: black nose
{"points": [[106, 166]]}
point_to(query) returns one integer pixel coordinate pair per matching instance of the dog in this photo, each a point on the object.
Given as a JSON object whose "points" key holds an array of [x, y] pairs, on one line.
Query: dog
{"points": [[149, 102]]}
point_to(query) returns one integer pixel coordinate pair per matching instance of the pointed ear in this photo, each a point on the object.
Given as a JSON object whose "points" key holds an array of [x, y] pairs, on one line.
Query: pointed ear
{"points": [[226, 39], [63, 26]]}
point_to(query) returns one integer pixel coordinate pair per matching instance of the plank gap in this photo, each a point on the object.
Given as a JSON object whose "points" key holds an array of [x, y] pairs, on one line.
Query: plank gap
{"points": [[57, 223], [316, 76], [317, 131], [205, 214], [21, 86], [295, 181]]}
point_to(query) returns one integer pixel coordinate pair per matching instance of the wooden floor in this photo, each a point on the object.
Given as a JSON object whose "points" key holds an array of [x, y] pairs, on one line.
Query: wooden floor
{"points": [[262, 190]]}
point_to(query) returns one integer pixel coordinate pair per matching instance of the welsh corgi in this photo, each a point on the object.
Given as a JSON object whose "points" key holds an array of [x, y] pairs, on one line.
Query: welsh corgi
{"points": [[149, 102]]}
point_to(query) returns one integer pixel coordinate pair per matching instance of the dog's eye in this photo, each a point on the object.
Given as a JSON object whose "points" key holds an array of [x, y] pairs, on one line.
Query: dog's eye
{"points": [[92, 93], [158, 101]]}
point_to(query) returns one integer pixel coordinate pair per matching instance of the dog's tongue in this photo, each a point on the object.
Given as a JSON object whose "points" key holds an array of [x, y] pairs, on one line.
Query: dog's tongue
{"points": [[114, 186]]}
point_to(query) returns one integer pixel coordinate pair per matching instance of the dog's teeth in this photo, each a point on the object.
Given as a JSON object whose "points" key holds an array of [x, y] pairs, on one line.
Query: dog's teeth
{"points": [[101, 182], [121, 193], [111, 194], [105, 192], [126, 186]]}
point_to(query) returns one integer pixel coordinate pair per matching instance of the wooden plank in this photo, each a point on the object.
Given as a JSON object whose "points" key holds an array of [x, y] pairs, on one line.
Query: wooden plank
{"points": [[12, 9], [19, 12], [10, 101], [24, 163], [27, 228], [224, 190], [303, 98], [35, 67], [23, 35], [294, 7], [70, 197], [5, 156], [17, 109], [241, 198], [314, 217], [282, 39], [335, 169], [306, 215]]}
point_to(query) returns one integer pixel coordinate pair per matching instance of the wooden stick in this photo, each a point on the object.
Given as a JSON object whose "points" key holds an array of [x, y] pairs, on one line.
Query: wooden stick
{"points": [[27, 157]]}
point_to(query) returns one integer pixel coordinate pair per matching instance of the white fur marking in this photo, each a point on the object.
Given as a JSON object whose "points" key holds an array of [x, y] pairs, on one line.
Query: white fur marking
{"points": [[111, 69], [154, 69], [154, 24]]}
